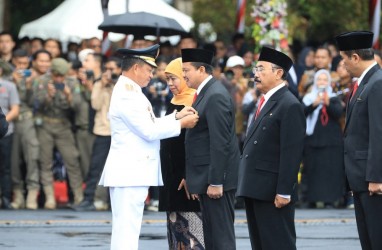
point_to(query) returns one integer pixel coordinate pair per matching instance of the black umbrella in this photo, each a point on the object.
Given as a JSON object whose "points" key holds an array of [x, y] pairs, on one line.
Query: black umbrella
{"points": [[142, 23]]}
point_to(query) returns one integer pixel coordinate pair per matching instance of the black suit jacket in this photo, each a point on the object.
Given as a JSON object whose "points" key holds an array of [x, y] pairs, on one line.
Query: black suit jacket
{"points": [[212, 152], [273, 149], [363, 133], [3, 124]]}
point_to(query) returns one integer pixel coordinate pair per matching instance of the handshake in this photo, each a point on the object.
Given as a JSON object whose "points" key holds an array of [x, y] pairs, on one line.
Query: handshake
{"points": [[188, 117]]}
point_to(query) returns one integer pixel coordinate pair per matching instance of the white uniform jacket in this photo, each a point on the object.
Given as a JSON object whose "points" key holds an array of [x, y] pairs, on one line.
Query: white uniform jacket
{"points": [[133, 158]]}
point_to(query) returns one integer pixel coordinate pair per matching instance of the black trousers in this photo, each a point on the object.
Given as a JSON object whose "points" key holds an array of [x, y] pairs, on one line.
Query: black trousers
{"points": [[218, 221], [270, 228], [5, 166], [368, 214], [100, 151]]}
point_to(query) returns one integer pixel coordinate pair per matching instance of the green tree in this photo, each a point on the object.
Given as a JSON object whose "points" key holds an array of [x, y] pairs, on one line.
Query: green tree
{"points": [[221, 14], [24, 11], [308, 20], [318, 21]]}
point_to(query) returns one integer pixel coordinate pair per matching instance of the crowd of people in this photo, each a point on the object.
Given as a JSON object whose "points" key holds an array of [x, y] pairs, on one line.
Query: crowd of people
{"points": [[59, 107]]}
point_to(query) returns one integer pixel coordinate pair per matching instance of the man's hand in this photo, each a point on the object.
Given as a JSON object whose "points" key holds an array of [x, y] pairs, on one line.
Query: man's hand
{"points": [[280, 201], [194, 197], [185, 112], [189, 121], [184, 184], [106, 78], [375, 188], [51, 90], [215, 192]]}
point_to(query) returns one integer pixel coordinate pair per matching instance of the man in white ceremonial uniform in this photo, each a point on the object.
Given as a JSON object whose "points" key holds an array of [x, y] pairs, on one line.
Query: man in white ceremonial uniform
{"points": [[133, 163]]}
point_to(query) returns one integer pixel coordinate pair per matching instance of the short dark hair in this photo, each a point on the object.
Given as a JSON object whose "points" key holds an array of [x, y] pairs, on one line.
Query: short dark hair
{"points": [[324, 48], [7, 33], [129, 62], [115, 59], [56, 41], [41, 51], [209, 68], [20, 53], [364, 54]]}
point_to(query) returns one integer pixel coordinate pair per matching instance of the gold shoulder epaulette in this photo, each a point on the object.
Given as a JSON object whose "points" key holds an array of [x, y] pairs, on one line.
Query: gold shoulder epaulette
{"points": [[129, 87]]}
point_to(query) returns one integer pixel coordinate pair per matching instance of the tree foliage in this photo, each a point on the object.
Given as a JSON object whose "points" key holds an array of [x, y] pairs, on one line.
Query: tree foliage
{"points": [[220, 13], [317, 21], [24, 11], [309, 20]]}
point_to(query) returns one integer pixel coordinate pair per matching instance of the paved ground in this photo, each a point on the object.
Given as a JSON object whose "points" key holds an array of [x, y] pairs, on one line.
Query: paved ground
{"points": [[64, 229]]}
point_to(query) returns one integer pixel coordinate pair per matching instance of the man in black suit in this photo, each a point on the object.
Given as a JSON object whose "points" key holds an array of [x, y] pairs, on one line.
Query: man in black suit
{"points": [[272, 153], [363, 135], [3, 124], [212, 152]]}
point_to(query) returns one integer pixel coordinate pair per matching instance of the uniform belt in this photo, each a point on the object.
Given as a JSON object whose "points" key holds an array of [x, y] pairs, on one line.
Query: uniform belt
{"points": [[24, 116], [53, 120]]}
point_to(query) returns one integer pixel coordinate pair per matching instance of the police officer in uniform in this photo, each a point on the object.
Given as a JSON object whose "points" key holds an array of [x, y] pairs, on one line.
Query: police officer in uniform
{"points": [[133, 163], [54, 98]]}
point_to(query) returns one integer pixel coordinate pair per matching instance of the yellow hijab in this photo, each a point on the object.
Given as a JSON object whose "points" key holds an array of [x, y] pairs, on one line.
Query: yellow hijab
{"points": [[186, 94]]}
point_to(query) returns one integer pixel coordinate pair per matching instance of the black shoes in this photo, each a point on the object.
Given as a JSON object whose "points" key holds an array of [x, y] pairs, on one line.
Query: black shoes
{"points": [[6, 203], [84, 205]]}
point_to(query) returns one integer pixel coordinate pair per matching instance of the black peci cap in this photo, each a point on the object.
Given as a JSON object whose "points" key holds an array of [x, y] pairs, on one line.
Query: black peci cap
{"points": [[276, 57], [354, 40], [197, 55], [148, 54]]}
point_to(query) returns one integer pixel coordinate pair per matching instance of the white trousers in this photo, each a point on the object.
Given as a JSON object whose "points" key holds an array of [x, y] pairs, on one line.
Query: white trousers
{"points": [[127, 204]]}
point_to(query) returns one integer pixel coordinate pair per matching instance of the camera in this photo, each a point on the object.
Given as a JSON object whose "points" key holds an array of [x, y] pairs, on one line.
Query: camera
{"points": [[25, 72], [229, 74], [114, 77], [89, 74], [59, 85]]}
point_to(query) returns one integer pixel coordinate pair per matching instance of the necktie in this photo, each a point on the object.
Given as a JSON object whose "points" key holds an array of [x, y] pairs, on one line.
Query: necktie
{"points": [[262, 99], [354, 89], [195, 96]]}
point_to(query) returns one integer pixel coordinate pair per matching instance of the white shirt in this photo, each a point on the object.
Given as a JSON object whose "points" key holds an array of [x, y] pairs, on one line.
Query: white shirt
{"points": [[271, 92], [203, 84], [364, 73]]}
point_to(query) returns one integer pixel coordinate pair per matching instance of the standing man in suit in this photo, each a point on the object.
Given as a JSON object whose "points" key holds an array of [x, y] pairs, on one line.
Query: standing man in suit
{"points": [[133, 163], [363, 135], [272, 153], [212, 152]]}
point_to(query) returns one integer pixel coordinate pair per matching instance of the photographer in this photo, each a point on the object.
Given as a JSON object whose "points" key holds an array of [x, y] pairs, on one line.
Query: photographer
{"points": [[25, 145], [96, 197], [158, 92], [323, 149], [55, 98], [90, 73]]}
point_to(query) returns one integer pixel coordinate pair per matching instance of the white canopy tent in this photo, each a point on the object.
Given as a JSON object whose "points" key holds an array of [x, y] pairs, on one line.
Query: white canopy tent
{"points": [[75, 20]]}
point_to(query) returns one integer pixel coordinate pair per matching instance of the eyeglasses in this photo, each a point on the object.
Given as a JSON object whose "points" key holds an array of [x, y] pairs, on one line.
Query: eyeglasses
{"points": [[95, 46], [261, 69]]}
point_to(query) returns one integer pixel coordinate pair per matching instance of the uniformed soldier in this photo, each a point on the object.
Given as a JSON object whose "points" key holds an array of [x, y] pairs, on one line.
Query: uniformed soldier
{"points": [[54, 98], [25, 144], [133, 162]]}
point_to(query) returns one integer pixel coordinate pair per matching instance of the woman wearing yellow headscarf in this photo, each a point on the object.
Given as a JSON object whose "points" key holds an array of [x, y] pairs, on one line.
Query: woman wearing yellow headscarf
{"points": [[184, 219]]}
